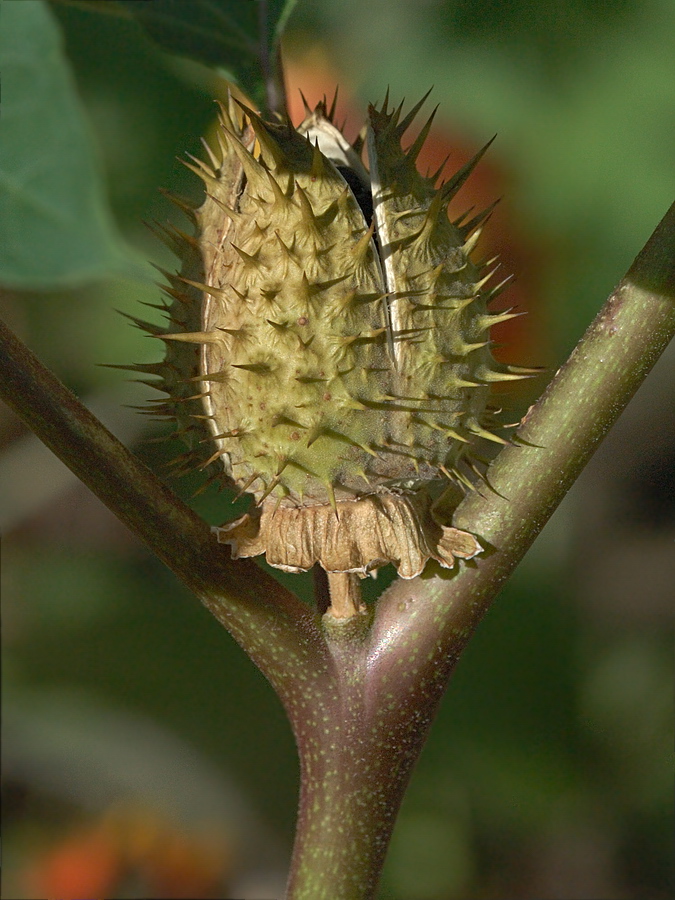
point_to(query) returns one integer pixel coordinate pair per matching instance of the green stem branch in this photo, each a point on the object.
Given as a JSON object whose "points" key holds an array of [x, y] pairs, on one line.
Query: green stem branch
{"points": [[555, 441]]}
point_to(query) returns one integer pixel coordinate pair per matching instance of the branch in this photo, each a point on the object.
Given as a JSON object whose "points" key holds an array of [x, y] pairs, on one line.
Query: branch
{"points": [[269, 622], [555, 441]]}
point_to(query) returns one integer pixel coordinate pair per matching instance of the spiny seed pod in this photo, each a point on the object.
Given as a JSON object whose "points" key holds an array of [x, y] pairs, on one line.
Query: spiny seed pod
{"points": [[341, 364]]}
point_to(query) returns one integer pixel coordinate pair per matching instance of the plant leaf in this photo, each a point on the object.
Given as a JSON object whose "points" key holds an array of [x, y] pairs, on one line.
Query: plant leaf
{"points": [[225, 34], [55, 226]]}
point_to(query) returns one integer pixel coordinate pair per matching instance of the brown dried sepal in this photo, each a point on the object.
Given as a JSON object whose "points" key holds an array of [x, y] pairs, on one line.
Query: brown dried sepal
{"points": [[357, 536]]}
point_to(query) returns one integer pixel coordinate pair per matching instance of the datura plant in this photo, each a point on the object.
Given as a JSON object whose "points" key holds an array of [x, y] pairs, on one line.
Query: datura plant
{"points": [[328, 353], [331, 330]]}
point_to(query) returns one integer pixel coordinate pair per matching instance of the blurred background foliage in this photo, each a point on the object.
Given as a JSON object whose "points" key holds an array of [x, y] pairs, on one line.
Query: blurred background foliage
{"points": [[143, 755]]}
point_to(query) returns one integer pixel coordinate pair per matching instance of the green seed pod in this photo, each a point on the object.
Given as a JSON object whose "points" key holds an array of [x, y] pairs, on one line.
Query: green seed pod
{"points": [[341, 366]]}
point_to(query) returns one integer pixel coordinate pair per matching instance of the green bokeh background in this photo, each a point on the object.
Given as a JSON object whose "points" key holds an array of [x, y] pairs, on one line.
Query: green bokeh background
{"points": [[549, 770]]}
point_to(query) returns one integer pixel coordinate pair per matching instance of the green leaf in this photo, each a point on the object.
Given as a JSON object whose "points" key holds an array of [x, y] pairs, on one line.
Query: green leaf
{"points": [[55, 226], [239, 36], [215, 32]]}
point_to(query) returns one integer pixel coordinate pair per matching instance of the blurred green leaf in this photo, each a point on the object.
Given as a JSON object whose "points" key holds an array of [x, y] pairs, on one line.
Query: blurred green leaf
{"points": [[221, 33], [215, 32], [55, 225]]}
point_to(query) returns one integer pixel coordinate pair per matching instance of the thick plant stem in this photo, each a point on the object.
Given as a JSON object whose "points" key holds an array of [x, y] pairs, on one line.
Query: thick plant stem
{"points": [[354, 773], [357, 753], [350, 797]]}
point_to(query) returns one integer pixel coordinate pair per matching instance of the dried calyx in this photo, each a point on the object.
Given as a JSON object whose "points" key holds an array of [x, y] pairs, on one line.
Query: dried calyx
{"points": [[341, 364]]}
